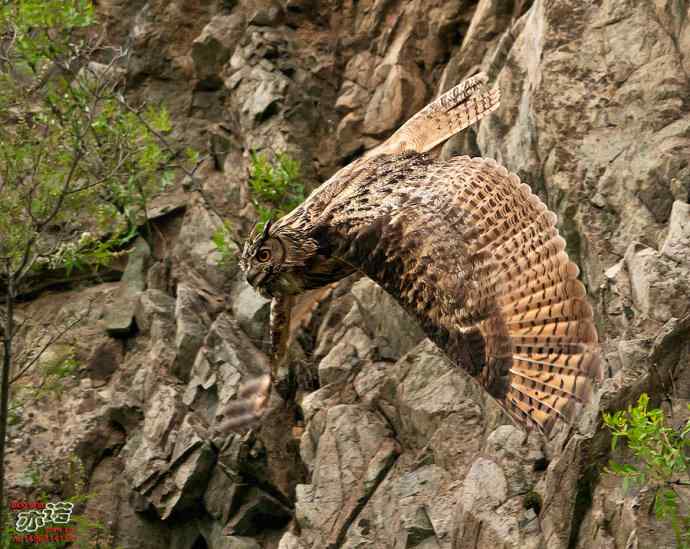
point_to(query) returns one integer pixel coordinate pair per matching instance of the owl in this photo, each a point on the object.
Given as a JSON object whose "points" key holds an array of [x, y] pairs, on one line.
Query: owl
{"points": [[461, 244]]}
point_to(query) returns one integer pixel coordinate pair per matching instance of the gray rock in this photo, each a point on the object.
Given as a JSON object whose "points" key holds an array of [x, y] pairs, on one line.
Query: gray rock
{"points": [[265, 13], [266, 99], [392, 329], [423, 397], [290, 541], [151, 305], [257, 509], [119, 315], [368, 382], [214, 46], [235, 542], [344, 474], [173, 461], [184, 484], [223, 488], [345, 357], [219, 143], [660, 286], [158, 276], [192, 324], [677, 243], [617, 297], [149, 450], [135, 529], [412, 507], [486, 517], [401, 94], [516, 452], [419, 532], [251, 311], [226, 359], [196, 259], [105, 360]]}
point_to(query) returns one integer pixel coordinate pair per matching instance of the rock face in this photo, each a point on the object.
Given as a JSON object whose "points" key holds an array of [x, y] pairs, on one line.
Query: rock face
{"points": [[389, 445]]}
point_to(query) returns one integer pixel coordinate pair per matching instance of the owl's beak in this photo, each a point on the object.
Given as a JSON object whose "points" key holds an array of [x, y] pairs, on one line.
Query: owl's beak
{"points": [[255, 276]]}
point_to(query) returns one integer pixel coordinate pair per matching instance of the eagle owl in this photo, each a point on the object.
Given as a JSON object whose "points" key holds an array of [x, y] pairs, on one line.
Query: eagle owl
{"points": [[461, 244]]}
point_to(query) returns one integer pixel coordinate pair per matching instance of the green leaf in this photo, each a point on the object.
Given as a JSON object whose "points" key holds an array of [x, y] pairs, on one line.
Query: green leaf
{"points": [[275, 186], [660, 456]]}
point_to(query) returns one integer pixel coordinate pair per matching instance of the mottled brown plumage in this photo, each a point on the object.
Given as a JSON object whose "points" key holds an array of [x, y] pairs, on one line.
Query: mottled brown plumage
{"points": [[461, 244]]}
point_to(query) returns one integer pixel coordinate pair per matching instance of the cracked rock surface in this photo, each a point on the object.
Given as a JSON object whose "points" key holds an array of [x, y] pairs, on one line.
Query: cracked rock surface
{"points": [[388, 445]]}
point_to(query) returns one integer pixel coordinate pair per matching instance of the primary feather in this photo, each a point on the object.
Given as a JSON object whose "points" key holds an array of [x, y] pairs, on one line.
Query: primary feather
{"points": [[462, 245]]}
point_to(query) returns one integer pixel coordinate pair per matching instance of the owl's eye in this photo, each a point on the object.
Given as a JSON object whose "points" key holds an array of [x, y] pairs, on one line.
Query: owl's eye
{"points": [[263, 255]]}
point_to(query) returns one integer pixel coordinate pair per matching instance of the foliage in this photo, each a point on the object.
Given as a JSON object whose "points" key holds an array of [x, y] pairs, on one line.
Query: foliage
{"points": [[664, 460], [78, 165], [74, 158], [223, 241], [276, 186]]}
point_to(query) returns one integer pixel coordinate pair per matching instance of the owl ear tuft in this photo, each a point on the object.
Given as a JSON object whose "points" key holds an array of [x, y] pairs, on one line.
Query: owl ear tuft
{"points": [[267, 227]]}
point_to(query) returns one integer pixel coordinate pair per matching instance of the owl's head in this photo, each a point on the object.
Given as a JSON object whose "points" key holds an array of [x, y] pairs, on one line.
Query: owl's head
{"points": [[274, 258]]}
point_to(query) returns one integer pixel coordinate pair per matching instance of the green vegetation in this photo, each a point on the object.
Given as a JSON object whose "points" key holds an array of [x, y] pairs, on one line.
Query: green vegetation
{"points": [[225, 243], [276, 186], [276, 189], [664, 462], [78, 166], [73, 155]]}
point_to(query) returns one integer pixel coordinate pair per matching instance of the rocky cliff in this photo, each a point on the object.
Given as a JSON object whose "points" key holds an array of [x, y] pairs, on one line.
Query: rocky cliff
{"points": [[389, 446]]}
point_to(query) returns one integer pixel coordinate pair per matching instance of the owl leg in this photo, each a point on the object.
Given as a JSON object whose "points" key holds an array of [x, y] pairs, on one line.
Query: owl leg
{"points": [[249, 407], [281, 369], [253, 397]]}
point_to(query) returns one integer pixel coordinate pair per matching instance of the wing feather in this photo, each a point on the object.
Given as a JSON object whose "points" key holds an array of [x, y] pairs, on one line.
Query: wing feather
{"points": [[477, 258]]}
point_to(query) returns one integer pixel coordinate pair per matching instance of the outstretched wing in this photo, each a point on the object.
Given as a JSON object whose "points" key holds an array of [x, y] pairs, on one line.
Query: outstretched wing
{"points": [[448, 114], [476, 257]]}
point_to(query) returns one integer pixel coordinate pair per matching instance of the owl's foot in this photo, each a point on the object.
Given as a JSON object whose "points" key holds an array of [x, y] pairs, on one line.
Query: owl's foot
{"points": [[250, 406]]}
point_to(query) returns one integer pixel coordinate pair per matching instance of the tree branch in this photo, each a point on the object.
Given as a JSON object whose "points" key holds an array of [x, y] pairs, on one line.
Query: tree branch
{"points": [[51, 341]]}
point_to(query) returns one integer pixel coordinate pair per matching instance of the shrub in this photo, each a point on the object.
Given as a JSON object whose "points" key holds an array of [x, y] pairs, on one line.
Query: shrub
{"points": [[664, 464], [276, 189], [276, 186]]}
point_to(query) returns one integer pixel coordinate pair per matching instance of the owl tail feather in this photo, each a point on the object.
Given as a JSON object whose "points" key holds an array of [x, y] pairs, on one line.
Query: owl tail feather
{"points": [[542, 339], [447, 115]]}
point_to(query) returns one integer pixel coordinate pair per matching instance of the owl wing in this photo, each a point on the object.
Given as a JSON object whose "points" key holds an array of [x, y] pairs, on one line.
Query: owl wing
{"points": [[450, 113], [476, 257]]}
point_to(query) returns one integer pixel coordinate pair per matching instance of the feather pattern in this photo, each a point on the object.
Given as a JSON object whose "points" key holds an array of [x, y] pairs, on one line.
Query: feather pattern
{"points": [[463, 246]]}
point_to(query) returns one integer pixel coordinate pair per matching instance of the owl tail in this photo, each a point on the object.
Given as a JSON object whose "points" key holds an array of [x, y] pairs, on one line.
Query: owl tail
{"points": [[542, 339], [447, 115]]}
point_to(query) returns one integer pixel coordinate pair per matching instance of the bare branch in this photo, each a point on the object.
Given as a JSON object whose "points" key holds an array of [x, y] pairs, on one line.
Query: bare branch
{"points": [[54, 338], [171, 149]]}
